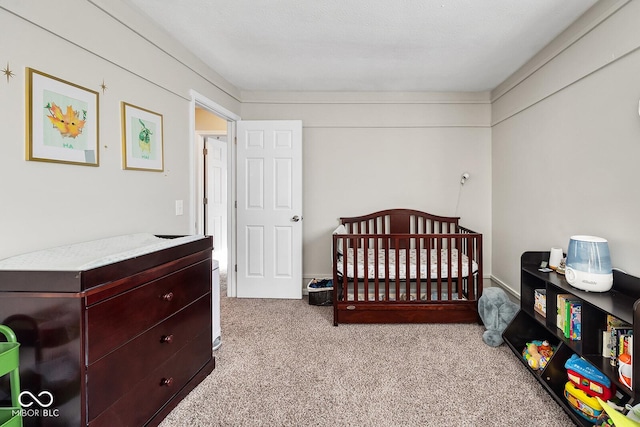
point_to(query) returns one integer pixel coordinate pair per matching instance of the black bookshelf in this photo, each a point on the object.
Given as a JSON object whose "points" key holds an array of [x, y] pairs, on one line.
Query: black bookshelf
{"points": [[621, 301]]}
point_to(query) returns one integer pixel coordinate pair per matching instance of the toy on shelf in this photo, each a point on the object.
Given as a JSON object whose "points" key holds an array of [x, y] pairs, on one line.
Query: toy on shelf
{"points": [[537, 354], [584, 405], [587, 378], [616, 418], [625, 371], [562, 266], [540, 301]]}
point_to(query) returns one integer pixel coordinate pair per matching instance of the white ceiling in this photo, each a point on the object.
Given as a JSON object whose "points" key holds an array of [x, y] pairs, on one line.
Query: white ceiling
{"points": [[364, 45]]}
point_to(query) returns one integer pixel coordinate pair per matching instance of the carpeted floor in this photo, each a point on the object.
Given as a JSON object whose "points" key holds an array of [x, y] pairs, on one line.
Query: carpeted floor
{"points": [[283, 363]]}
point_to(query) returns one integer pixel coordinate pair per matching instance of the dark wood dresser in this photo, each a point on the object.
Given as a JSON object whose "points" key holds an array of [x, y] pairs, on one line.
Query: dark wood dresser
{"points": [[115, 345]]}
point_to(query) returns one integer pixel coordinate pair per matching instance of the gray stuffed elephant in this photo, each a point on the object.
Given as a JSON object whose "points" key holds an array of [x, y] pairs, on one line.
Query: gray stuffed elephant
{"points": [[496, 311]]}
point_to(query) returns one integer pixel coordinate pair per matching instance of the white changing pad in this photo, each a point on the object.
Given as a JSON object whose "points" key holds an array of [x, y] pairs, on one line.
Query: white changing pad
{"points": [[92, 254]]}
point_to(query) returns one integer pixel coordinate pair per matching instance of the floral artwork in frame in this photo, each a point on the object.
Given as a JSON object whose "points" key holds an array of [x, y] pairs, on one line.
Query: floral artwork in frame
{"points": [[142, 139], [62, 121]]}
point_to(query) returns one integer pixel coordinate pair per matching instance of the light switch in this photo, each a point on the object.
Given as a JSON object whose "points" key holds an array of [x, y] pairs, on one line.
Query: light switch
{"points": [[179, 207]]}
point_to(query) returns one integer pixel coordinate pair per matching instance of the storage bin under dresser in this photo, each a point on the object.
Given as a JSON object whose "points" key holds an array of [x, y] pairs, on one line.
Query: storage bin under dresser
{"points": [[116, 345]]}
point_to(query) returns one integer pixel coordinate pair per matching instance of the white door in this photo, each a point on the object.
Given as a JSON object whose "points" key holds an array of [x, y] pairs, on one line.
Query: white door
{"points": [[217, 196], [269, 215]]}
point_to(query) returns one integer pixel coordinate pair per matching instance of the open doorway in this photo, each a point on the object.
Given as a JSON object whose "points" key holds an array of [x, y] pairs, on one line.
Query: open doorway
{"points": [[213, 181], [211, 133]]}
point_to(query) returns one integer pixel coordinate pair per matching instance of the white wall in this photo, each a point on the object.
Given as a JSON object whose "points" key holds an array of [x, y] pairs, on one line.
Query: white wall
{"points": [[371, 151], [566, 144], [362, 152], [47, 204], [552, 151]]}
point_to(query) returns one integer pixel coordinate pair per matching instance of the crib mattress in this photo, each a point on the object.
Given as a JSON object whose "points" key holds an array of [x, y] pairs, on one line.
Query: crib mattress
{"points": [[428, 264]]}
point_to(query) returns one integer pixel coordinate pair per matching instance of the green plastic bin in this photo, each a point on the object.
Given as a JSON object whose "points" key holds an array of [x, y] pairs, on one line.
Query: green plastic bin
{"points": [[9, 364]]}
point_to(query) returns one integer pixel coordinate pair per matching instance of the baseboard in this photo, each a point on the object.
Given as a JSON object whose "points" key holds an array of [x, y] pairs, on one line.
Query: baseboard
{"points": [[506, 287]]}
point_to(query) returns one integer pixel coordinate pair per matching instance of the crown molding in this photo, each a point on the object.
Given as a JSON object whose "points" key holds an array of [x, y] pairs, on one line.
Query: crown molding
{"points": [[259, 97]]}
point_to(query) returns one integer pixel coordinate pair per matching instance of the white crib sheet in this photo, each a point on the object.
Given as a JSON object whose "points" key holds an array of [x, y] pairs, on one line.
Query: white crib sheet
{"points": [[428, 263]]}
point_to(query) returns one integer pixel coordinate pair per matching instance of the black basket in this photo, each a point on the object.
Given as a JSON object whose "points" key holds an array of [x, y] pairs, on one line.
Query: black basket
{"points": [[320, 296]]}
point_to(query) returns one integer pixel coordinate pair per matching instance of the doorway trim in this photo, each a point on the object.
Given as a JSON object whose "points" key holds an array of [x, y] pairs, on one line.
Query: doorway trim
{"points": [[199, 100]]}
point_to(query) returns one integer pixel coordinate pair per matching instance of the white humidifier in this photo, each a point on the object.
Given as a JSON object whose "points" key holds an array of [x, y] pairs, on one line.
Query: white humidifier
{"points": [[589, 264]]}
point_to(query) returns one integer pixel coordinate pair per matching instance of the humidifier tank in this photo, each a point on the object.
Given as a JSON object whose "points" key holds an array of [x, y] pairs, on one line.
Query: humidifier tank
{"points": [[589, 264]]}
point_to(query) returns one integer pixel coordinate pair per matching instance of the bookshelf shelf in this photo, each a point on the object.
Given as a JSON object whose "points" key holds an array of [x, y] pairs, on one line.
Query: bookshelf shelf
{"points": [[528, 324]]}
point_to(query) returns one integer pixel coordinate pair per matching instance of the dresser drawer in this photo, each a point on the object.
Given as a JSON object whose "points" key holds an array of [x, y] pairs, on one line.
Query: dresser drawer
{"points": [[115, 321], [139, 357], [148, 396]]}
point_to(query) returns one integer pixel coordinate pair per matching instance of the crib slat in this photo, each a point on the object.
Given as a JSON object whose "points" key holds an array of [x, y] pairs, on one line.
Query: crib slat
{"points": [[478, 249], [345, 277], [449, 268], [355, 243], [376, 244], [460, 286], [439, 264], [365, 249], [470, 282], [386, 268], [418, 268], [397, 264], [407, 267], [430, 243]]}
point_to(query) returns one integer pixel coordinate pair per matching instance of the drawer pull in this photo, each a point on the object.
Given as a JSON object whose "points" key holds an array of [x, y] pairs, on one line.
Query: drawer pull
{"points": [[168, 296], [166, 382], [167, 339]]}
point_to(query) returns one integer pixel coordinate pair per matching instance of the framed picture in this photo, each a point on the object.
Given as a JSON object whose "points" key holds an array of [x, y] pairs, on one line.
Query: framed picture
{"points": [[62, 121], [142, 139]]}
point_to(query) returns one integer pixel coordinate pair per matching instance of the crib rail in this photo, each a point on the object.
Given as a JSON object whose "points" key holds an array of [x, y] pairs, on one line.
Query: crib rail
{"points": [[390, 276], [400, 221]]}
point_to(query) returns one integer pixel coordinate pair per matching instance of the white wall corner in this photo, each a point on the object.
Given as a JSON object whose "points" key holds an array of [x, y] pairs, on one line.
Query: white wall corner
{"points": [[586, 23], [497, 282]]}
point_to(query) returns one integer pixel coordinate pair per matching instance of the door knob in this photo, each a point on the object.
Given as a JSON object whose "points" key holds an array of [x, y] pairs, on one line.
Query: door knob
{"points": [[295, 218]]}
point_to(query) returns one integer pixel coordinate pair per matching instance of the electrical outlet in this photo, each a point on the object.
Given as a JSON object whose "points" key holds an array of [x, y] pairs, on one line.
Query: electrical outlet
{"points": [[179, 207]]}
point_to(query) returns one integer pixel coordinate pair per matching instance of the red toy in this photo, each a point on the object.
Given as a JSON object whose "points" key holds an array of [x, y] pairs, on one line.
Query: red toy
{"points": [[588, 379]]}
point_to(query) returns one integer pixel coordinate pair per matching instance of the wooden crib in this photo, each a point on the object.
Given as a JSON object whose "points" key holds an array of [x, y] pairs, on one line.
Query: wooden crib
{"points": [[405, 266]]}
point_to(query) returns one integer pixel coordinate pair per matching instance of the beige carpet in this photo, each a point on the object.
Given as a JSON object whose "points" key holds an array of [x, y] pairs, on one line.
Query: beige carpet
{"points": [[283, 363]]}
